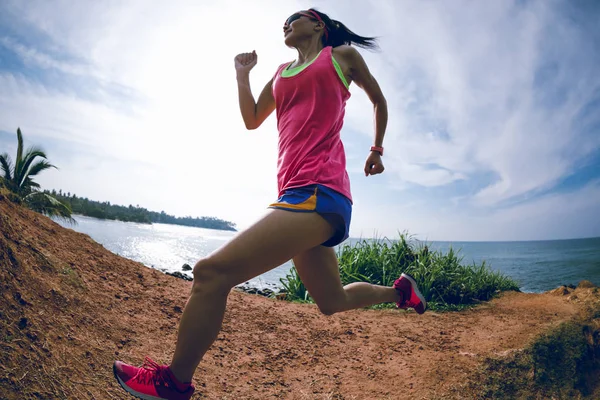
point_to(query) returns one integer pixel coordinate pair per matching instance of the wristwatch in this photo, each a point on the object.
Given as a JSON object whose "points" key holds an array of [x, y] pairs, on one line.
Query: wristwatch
{"points": [[377, 149]]}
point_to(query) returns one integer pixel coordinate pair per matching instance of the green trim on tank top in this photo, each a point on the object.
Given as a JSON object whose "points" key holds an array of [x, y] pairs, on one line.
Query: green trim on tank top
{"points": [[289, 72], [339, 71]]}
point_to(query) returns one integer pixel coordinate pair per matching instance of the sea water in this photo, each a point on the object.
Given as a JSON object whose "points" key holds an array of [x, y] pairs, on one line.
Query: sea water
{"points": [[537, 265]]}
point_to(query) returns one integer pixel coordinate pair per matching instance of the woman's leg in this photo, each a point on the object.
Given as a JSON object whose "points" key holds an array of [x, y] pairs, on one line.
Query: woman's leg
{"points": [[318, 268], [272, 241]]}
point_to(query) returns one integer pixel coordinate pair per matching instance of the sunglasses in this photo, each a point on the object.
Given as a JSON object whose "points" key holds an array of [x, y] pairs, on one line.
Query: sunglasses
{"points": [[297, 16], [310, 14]]}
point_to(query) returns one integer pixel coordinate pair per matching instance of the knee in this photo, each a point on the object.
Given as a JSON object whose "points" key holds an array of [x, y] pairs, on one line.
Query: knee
{"points": [[333, 303], [329, 309], [209, 276]]}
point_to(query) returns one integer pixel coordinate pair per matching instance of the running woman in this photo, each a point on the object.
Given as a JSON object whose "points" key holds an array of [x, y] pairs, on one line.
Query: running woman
{"points": [[312, 213]]}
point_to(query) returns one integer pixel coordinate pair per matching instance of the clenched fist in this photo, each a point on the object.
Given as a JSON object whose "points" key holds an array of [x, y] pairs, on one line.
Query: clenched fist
{"points": [[244, 62], [373, 165]]}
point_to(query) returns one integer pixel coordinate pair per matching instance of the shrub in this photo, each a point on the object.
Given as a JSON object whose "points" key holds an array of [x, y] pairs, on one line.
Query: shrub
{"points": [[445, 282]]}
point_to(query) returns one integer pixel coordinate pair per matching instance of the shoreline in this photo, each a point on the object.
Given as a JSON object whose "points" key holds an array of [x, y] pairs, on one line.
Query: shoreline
{"points": [[270, 289], [152, 223], [531, 274], [267, 290]]}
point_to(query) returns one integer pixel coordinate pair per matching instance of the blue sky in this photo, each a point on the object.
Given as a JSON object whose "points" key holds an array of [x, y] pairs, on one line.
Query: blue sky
{"points": [[494, 129]]}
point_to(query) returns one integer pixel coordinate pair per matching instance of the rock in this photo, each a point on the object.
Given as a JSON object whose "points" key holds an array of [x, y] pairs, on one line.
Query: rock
{"points": [[585, 285], [560, 291], [260, 292], [186, 267], [180, 275]]}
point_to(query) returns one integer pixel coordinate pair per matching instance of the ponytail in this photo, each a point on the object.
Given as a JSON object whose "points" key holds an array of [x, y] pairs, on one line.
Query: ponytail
{"points": [[338, 34]]}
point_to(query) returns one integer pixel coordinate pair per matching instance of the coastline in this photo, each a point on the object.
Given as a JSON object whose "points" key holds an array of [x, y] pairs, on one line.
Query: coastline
{"points": [[167, 247], [154, 222]]}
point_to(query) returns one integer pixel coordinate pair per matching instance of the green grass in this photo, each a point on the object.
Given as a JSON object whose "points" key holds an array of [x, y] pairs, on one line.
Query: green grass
{"points": [[446, 283]]}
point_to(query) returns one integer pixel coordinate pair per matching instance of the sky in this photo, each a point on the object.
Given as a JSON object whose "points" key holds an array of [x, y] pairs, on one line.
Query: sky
{"points": [[494, 110]]}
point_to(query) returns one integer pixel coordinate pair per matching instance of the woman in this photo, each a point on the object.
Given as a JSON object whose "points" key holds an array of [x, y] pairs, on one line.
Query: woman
{"points": [[312, 213]]}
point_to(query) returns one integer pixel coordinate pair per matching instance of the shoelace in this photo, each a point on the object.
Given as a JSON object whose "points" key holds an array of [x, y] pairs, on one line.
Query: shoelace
{"points": [[151, 372], [407, 302]]}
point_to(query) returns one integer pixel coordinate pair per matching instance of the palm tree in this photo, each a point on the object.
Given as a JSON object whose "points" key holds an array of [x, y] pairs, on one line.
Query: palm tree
{"points": [[18, 178]]}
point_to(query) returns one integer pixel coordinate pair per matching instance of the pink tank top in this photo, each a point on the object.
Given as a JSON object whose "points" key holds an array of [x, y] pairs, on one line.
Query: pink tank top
{"points": [[310, 108]]}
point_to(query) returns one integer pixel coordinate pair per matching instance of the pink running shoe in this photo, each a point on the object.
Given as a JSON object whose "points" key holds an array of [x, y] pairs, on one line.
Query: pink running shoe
{"points": [[411, 297], [151, 381]]}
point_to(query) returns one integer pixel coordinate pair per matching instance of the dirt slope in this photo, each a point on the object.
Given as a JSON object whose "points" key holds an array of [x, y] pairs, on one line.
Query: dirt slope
{"points": [[69, 307]]}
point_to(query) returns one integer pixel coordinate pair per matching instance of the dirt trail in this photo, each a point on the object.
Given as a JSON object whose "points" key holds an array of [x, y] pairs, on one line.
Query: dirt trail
{"points": [[69, 307]]}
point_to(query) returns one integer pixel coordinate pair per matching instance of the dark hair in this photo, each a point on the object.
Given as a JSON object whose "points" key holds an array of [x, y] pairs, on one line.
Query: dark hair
{"points": [[338, 34]]}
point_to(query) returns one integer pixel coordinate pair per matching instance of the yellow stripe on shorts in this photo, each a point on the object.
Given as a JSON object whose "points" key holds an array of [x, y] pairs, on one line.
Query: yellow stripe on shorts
{"points": [[309, 204]]}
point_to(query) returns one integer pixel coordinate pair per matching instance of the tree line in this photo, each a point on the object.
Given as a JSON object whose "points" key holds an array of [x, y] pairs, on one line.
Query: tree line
{"points": [[106, 210]]}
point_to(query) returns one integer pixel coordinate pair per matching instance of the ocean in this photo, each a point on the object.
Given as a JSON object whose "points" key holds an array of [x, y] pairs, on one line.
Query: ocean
{"points": [[538, 266]]}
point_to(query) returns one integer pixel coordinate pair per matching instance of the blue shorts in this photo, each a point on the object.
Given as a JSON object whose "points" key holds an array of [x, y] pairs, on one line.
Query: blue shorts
{"points": [[331, 205]]}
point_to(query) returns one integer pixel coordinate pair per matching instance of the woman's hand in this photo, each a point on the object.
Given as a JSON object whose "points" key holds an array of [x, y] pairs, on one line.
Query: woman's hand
{"points": [[244, 62], [373, 165]]}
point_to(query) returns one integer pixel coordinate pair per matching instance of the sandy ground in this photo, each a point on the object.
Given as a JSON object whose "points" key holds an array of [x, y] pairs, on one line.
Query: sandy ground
{"points": [[69, 307]]}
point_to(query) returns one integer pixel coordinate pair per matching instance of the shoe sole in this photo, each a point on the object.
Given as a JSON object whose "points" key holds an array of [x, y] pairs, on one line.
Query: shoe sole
{"points": [[132, 392], [416, 289]]}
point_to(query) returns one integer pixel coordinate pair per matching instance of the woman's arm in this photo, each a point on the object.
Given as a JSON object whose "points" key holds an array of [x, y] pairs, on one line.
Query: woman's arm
{"points": [[254, 113], [358, 71]]}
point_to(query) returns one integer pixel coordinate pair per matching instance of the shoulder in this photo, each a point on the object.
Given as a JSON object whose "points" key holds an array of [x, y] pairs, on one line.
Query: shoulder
{"points": [[280, 68], [284, 65], [346, 52]]}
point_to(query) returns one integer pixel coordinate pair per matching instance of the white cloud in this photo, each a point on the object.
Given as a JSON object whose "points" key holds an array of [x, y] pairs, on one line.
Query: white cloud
{"points": [[470, 72], [31, 56]]}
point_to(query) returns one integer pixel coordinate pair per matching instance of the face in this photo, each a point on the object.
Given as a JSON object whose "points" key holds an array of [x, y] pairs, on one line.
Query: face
{"points": [[298, 26]]}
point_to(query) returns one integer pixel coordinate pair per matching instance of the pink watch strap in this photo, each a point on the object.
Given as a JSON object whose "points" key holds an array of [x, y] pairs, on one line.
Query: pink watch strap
{"points": [[377, 149]]}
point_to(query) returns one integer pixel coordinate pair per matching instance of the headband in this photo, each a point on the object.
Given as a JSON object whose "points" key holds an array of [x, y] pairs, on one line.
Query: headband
{"points": [[318, 18]]}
